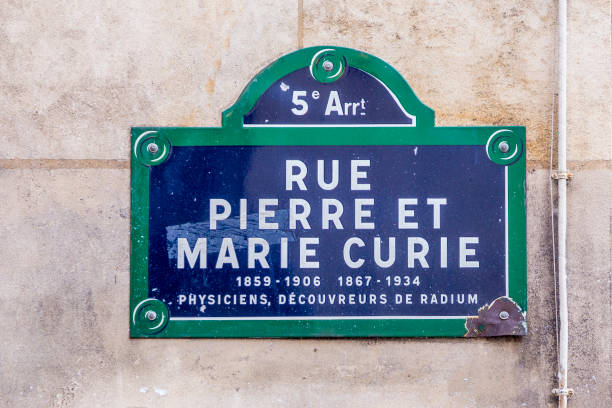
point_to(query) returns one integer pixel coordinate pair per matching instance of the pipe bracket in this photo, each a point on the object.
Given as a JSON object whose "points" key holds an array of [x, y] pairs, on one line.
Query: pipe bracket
{"points": [[561, 175], [559, 392]]}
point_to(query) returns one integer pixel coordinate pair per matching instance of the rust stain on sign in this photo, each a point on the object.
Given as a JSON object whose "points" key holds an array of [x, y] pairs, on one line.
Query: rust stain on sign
{"points": [[503, 317]]}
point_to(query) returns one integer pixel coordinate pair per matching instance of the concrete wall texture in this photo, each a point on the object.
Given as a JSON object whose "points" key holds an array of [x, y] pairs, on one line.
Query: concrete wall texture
{"points": [[76, 75]]}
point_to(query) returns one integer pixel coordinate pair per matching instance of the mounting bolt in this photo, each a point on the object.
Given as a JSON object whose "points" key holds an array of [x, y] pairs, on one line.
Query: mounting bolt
{"points": [[504, 147], [151, 315], [504, 315], [152, 148], [328, 65]]}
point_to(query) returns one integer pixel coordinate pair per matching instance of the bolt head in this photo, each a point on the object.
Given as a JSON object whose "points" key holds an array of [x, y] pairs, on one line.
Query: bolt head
{"points": [[152, 148], [328, 65], [151, 315], [504, 147], [504, 315]]}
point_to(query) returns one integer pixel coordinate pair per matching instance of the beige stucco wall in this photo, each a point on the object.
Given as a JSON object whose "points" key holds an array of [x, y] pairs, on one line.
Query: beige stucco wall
{"points": [[75, 75]]}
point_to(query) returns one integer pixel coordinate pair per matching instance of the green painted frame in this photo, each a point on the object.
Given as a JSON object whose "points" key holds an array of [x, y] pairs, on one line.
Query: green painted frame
{"points": [[232, 132]]}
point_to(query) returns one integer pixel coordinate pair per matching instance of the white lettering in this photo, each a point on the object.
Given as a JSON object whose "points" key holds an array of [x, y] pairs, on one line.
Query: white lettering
{"points": [[328, 216], [420, 255], [436, 202], [243, 213], [227, 254], [390, 259], [464, 252], [443, 252], [298, 178], [283, 252], [356, 175], [360, 213], [183, 249], [259, 256], [333, 104], [305, 252], [214, 215], [403, 213], [347, 252], [321, 175], [264, 213], [302, 216]]}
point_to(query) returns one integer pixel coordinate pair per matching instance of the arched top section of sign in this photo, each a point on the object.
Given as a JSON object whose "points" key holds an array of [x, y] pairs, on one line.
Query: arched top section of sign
{"points": [[328, 87]]}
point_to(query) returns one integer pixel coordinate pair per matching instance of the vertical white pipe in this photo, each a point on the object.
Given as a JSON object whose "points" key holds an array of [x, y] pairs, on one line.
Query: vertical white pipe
{"points": [[562, 213]]}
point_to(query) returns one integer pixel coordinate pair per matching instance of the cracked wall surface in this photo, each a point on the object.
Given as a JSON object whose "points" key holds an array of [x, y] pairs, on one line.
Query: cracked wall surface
{"points": [[76, 75]]}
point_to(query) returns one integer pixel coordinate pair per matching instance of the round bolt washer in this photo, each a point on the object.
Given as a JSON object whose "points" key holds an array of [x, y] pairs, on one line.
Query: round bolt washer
{"points": [[152, 148], [150, 316], [504, 147], [327, 65]]}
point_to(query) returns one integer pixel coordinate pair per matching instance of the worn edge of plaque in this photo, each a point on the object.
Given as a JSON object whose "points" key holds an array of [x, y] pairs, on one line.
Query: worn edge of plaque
{"points": [[489, 322]]}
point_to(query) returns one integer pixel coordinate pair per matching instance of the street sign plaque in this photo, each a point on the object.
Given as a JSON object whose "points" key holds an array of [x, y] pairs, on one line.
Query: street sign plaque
{"points": [[328, 205]]}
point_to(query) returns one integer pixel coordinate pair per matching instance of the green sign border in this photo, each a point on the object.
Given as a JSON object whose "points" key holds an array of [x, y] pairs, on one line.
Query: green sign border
{"points": [[232, 133]]}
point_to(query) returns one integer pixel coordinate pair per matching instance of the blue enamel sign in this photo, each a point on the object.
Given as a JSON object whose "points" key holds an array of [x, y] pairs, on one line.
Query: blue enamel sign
{"points": [[339, 231], [328, 204]]}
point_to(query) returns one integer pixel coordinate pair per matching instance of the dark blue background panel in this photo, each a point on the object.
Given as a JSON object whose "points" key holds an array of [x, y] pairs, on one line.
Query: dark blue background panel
{"points": [[473, 186], [357, 98]]}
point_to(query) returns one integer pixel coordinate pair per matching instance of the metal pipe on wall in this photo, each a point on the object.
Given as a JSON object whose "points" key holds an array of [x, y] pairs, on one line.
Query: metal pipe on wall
{"points": [[563, 392]]}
